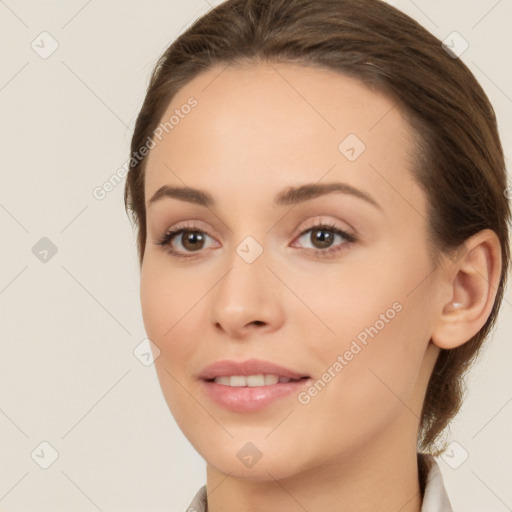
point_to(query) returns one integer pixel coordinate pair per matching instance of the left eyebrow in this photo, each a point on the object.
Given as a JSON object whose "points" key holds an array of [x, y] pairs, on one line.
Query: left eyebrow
{"points": [[289, 196], [295, 195]]}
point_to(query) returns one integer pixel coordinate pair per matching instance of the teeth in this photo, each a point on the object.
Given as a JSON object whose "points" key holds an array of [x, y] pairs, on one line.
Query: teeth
{"points": [[251, 380], [223, 380]]}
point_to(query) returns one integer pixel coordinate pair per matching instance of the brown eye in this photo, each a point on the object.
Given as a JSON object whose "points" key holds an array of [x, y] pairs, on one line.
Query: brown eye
{"points": [[192, 240], [325, 240], [322, 238], [184, 241]]}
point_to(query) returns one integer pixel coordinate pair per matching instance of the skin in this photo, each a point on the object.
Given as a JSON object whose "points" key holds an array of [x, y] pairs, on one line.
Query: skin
{"points": [[255, 131]]}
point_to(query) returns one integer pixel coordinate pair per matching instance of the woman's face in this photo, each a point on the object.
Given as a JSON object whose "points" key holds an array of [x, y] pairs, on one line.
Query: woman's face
{"points": [[266, 273]]}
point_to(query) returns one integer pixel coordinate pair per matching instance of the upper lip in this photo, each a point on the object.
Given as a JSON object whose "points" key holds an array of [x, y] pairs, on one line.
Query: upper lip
{"points": [[249, 367]]}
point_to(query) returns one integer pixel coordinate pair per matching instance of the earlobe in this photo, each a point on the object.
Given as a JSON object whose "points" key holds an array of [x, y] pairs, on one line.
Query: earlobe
{"points": [[473, 283]]}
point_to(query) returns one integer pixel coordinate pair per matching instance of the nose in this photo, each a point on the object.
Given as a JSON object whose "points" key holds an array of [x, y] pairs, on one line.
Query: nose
{"points": [[247, 300]]}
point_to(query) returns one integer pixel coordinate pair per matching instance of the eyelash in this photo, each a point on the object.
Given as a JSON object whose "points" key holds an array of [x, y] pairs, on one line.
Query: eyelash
{"points": [[166, 240]]}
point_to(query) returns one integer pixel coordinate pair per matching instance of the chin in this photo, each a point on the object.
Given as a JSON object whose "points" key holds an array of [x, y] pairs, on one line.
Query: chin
{"points": [[245, 461]]}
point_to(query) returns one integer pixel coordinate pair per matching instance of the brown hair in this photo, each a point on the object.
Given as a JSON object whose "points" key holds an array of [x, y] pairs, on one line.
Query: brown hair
{"points": [[459, 158]]}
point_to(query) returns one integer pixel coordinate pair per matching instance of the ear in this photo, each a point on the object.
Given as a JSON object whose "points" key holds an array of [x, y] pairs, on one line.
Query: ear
{"points": [[471, 282]]}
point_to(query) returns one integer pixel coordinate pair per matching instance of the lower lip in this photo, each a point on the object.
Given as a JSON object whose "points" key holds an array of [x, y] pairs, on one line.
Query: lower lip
{"points": [[251, 399]]}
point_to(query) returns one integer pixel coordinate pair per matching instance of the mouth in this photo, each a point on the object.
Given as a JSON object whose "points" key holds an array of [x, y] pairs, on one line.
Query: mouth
{"points": [[252, 370], [252, 381], [251, 385], [252, 393]]}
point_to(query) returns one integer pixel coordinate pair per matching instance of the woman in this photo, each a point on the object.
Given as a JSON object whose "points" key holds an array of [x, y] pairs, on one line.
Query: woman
{"points": [[322, 232]]}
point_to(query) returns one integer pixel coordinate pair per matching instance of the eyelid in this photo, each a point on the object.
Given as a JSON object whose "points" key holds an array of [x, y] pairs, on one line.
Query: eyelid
{"points": [[321, 221], [176, 230], [192, 225]]}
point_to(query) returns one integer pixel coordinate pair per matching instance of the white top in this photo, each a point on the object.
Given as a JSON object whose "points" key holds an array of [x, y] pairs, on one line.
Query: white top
{"points": [[435, 498]]}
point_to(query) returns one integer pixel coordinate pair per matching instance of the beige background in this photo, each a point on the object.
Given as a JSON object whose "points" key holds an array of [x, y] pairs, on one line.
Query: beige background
{"points": [[69, 325]]}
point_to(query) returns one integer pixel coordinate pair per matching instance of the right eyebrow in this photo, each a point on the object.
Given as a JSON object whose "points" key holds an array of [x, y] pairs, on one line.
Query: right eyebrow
{"points": [[188, 194]]}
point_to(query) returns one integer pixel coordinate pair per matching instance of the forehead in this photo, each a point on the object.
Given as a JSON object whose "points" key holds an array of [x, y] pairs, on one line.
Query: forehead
{"points": [[267, 126]]}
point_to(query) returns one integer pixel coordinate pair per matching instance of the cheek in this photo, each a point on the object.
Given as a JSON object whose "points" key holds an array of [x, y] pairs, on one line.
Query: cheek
{"points": [[157, 303], [167, 295], [167, 299], [337, 306], [376, 320], [174, 316]]}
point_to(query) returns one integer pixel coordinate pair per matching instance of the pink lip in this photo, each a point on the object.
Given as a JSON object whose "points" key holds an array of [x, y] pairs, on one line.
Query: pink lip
{"points": [[249, 399], [250, 367]]}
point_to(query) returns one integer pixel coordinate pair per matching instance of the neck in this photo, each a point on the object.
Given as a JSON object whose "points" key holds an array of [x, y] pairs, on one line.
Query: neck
{"points": [[382, 477]]}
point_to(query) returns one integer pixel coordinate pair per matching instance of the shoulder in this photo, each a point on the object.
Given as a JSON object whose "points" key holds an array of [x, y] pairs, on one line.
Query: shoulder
{"points": [[199, 503]]}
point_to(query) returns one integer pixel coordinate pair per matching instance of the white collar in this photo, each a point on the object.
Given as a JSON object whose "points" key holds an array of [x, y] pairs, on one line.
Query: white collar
{"points": [[435, 498]]}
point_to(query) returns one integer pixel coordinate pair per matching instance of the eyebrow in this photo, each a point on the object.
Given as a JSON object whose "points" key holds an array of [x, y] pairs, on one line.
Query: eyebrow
{"points": [[289, 196]]}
